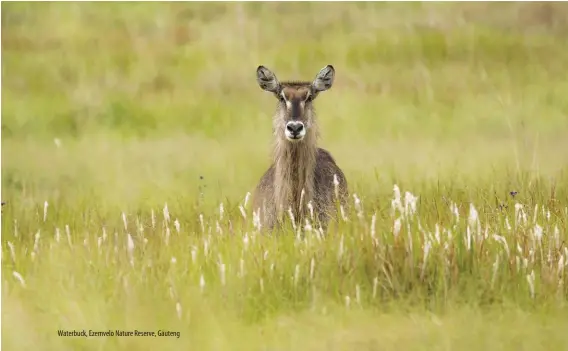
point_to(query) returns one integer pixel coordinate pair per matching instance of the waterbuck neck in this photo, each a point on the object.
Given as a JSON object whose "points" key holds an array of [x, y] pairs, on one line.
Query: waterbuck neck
{"points": [[294, 172]]}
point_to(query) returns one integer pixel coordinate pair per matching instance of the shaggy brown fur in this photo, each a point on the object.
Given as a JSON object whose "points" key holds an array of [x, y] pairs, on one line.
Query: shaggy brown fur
{"points": [[301, 172]]}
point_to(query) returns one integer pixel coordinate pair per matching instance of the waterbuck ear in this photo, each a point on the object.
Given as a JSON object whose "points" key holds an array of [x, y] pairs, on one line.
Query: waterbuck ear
{"points": [[267, 80], [324, 79]]}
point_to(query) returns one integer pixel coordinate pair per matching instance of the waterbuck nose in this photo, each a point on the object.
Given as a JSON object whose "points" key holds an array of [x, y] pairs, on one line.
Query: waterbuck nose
{"points": [[295, 127]]}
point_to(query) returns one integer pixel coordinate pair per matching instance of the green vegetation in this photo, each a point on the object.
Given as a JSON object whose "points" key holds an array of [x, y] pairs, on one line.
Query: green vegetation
{"points": [[110, 111]]}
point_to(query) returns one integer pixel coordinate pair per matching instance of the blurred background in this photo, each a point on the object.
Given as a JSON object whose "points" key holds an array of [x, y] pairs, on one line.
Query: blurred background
{"points": [[127, 104]]}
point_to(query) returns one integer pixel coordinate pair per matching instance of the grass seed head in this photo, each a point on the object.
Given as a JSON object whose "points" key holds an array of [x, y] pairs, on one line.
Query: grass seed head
{"points": [[222, 274], [124, 221], [19, 278], [202, 283], [178, 310], [166, 213], [68, 232], [531, 282], [45, 205]]}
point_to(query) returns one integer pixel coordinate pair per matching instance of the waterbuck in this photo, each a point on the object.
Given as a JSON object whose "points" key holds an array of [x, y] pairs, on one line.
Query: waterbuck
{"points": [[301, 174]]}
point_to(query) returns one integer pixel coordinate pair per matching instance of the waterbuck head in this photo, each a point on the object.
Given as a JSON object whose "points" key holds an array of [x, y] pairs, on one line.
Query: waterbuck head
{"points": [[295, 114]]}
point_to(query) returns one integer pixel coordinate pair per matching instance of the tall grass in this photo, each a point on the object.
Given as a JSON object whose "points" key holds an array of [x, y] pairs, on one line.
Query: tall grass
{"points": [[151, 271], [132, 135]]}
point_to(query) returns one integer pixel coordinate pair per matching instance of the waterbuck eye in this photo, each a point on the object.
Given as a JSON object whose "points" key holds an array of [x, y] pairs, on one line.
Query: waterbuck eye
{"points": [[309, 98]]}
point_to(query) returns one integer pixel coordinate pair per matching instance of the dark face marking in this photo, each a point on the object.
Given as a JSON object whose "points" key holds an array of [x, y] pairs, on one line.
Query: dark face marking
{"points": [[295, 100]]}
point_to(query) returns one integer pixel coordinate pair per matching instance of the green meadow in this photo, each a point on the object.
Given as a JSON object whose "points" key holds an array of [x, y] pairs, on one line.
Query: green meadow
{"points": [[133, 132]]}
